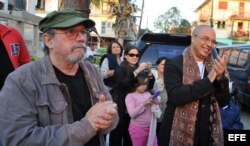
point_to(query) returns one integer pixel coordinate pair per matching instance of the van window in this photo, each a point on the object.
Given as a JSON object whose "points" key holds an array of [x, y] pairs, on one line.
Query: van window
{"points": [[238, 58], [154, 51]]}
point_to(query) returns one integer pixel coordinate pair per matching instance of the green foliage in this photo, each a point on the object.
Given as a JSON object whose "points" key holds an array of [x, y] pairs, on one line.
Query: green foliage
{"points": [[96, 2], [168, 20], [185, 23], [172, 22], [101, 52]]}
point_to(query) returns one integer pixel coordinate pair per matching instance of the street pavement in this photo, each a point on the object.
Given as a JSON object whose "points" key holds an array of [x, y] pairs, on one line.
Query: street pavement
{"points": [[245, 117]]}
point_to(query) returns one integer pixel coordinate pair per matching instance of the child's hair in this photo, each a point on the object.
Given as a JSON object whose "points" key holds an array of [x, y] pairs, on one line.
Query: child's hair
{"points": [[141, 78]]}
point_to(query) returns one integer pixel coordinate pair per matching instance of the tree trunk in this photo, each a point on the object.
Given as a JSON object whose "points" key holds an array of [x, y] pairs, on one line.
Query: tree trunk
{"points": [[78, 5], [142, 7], [124, 26], [123, 2]]}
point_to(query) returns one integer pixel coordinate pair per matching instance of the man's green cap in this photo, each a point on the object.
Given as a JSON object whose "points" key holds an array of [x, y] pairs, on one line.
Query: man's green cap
{"points": [[64, 19]]}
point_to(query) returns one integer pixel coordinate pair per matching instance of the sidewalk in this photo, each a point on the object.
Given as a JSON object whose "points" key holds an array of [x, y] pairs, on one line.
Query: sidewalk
{"points": [[245, 117]]}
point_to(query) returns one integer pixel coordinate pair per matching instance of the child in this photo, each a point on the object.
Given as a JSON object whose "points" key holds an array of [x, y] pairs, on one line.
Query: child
{"points": [[143, 111]]}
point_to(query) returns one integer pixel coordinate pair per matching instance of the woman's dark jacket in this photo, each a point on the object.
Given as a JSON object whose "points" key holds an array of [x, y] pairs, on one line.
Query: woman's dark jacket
{"points": [[179, 94], [113, 64]]}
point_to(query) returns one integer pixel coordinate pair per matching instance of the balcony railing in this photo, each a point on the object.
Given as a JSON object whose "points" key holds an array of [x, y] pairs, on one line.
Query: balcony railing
{"points": [[241, 35]]}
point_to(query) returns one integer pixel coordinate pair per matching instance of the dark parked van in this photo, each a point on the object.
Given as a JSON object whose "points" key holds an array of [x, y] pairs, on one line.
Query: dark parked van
{"points": [[239, 70], [154, 45]]}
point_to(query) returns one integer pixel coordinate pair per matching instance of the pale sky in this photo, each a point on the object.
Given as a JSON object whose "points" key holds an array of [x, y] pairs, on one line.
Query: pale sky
{"points": [[154, 8]]}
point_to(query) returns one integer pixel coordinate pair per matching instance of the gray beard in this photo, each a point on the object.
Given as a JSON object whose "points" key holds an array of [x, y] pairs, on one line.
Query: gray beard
{"points": [[74, 59]]}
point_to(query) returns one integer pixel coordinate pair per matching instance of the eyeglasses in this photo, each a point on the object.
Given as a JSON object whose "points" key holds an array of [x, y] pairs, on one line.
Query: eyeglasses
{"points": [[206, 39], [73, 33], [134, 55]]}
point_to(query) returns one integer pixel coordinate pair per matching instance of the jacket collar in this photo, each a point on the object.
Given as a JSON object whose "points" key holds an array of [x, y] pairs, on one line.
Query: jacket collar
{"points": [[48, 73]]}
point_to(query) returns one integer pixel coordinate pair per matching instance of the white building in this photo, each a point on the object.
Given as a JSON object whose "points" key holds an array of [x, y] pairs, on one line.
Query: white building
{"points": [[230, 18]]}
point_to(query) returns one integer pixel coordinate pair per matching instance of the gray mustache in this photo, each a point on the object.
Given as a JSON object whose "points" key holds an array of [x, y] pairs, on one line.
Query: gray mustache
{"points": [[79, 46]]}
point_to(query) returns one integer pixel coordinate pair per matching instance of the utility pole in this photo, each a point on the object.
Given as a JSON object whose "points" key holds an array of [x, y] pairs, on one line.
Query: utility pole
{"points": [[142, 10], [78, 5], [212, 12]]}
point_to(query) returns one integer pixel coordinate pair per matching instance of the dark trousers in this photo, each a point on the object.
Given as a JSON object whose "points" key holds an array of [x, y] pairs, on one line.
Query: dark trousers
{"points": [[120, 135], [158, 127]]}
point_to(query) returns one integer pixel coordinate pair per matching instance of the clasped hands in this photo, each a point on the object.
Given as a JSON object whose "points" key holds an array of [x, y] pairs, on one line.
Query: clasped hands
{"points": [[218, 69], [101, 115]]}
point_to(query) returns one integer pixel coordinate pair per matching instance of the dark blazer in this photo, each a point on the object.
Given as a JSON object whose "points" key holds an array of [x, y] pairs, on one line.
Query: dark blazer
{"points": [[179, 94]]}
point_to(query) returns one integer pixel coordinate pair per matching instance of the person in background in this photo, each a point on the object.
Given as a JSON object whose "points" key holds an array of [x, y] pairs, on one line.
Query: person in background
{"points": [[125, 76], [230, 114], [59, 100], [143, 110], [109, 62], [159, 86], [197, 86], [13, 51]]}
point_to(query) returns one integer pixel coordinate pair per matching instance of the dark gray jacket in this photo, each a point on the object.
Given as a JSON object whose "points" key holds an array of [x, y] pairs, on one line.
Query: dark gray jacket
{"points": [[35, 108]]}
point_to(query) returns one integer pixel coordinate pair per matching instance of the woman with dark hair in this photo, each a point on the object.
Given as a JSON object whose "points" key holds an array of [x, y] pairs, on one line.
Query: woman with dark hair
{"points": [[159, 86], [109, 62], [125, 76]]}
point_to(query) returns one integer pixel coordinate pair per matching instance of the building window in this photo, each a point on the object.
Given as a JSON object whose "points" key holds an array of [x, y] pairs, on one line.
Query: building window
{"points": [[40, 4], [240, 27], [109, 25], [1, 5], [218, 24], [221, 24], [103, 27], [223, 5], [105, 8], [92, 41], [241, 9]]}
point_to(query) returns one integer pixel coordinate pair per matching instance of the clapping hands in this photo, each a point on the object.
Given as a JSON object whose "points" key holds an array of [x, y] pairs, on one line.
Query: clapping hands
{"points": [[218, 69], [102, 114]]}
